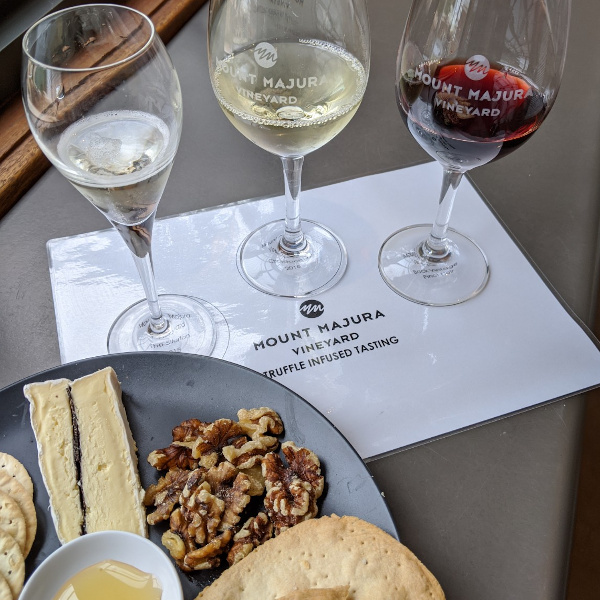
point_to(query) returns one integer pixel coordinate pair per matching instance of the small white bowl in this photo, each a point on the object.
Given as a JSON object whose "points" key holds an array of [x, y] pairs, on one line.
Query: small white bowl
{"points": [[93, 548]]}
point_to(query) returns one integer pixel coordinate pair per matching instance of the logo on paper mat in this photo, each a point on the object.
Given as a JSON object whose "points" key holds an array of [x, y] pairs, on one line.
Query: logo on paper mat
{"points": [[312, 309]]}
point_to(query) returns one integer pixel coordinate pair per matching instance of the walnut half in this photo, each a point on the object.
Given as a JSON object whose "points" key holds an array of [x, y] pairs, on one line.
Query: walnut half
{"points": [[256, 531], [260, 421], [207, 557], [251, 453], [164, 495], [293, 491], [210, 441]]}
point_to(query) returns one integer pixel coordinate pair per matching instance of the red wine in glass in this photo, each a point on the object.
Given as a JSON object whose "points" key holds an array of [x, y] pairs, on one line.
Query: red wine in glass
{"points": [[466, 113], [475, 79]]}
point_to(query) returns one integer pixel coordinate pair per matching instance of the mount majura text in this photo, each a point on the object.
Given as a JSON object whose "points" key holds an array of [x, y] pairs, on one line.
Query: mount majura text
{"points": [[320, 342]]}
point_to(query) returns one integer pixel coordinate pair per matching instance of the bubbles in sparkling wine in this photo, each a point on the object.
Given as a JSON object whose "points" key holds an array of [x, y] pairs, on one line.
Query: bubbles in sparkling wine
{"points": [[114, 143], [120, 161]]}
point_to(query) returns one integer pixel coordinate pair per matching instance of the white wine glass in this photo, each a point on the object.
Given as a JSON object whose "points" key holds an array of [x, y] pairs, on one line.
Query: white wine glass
{"points": [[290, 77], [103, 102], [474, 80]]}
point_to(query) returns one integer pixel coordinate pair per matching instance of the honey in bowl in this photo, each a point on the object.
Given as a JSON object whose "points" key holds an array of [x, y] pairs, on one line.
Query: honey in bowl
{"points": [[110, 579]]}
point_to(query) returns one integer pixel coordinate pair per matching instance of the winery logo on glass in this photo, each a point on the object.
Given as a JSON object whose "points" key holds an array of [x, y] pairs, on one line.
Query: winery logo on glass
{"points": [[265, 55], [474, 88], [263, 81], [477, 67]]}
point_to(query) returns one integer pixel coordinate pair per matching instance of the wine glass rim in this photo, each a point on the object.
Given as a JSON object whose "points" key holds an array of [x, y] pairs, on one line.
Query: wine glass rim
{"points": [[136, 54]]}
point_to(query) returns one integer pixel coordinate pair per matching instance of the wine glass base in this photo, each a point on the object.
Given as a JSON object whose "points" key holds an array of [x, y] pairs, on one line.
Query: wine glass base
{"points": [[461, 275], [195, 327], [311, 271]]}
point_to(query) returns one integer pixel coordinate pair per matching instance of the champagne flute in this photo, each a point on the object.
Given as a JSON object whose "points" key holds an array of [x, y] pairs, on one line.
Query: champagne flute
{"points": [[290, 78], [103, 102], [474, 80]]}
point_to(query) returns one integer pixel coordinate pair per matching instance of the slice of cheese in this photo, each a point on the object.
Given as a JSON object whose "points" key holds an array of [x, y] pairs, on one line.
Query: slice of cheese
{"points": [[87, 455], [50, 413], [112, 492]]}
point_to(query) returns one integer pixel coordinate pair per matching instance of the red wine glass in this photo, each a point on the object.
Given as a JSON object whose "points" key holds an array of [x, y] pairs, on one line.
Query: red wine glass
{"points": [[474, 80]]}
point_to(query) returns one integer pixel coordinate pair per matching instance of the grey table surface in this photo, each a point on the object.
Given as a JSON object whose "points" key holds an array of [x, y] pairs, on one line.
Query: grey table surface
{"points": [[489, 510]]}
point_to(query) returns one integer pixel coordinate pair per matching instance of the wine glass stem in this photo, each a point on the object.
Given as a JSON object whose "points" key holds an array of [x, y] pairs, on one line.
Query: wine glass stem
{"points": [[293, 240], [435, 247], [139, 240]]}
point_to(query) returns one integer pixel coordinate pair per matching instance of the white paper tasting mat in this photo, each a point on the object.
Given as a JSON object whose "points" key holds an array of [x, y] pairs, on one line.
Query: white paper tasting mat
{"points": [[387, 372]]}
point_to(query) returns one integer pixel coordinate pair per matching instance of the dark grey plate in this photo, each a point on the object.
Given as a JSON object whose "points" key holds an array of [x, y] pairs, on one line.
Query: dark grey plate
{"points": [[162, 389]]}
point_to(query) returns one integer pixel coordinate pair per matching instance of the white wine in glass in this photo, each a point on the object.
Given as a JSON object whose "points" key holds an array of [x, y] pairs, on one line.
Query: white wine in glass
{"points": [[103, 102], [290, 80]]}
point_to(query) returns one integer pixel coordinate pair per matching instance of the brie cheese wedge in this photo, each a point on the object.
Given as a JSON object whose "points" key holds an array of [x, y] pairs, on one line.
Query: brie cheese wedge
{"points": [[87, 455], [50, 413]]}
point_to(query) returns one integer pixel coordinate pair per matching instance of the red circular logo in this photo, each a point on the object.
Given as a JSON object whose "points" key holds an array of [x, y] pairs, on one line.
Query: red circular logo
{"points": [[477, 67]]}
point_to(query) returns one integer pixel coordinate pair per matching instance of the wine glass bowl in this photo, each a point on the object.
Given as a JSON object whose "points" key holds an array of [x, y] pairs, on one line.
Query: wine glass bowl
{"points": [[289, 80], [103, 102], [474, 80]]}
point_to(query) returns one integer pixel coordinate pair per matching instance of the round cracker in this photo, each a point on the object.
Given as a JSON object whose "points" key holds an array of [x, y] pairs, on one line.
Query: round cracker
{"points": [[13, 488], [325, 553], [5, 593], [12, 563], [15, 469], [12, 520]]}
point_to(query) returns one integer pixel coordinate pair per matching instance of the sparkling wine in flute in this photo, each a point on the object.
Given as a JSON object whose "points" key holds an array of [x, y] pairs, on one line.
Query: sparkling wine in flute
{"points": [[120, 161], [103, 101], [290, 98], [466, 113]]}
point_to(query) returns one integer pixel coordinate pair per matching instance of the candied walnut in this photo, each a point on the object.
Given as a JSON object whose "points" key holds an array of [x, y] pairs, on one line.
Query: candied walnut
{"points": [[289, 505], [174, 544], [207, 557], [195, 479], [305, 464], [178, 529], [188, 431], [260, 421], [175, 456], [220, 475], [165, 495], [209, 460], [257, 481], [292, 492], [255, 531], [202, 511], [237, 442], [178, 455], [250, 453], [227, 484], [211, 440], [236, 499], [179, 526]]}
